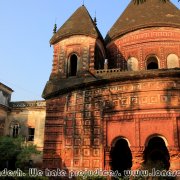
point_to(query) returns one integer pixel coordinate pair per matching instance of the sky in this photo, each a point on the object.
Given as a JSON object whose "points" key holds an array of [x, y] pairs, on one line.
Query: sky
{"points": [[26, 27]]}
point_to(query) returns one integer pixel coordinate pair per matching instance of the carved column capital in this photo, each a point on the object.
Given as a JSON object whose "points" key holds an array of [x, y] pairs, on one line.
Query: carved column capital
{"points": [[174, 154], [137, 156], [137, 149], [107, 157]]}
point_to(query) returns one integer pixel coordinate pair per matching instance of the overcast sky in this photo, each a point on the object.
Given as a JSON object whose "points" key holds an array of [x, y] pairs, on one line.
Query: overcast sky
{"points": [[25, 30]]}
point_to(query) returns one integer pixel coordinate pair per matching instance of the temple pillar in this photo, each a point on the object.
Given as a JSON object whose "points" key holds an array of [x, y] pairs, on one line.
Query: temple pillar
{"points": [[174, 158], [107, 158], [137, 157]]}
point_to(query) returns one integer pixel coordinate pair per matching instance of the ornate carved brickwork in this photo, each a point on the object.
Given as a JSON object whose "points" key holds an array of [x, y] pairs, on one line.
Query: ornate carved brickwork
{"points": [[140, 44], [82, 46], [87, 114], [88, 120]]}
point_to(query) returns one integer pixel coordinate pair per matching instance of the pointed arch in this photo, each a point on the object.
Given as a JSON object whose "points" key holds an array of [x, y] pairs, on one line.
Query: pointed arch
{"points": [[156, 135], [117, 138], [72, 65], [120, 154], [156, 154], [152, 62]]}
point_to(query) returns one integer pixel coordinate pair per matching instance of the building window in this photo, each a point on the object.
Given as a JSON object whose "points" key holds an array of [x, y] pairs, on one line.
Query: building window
{"points": [[31, 134], [152, 63], [73, 65], [14, 130]]}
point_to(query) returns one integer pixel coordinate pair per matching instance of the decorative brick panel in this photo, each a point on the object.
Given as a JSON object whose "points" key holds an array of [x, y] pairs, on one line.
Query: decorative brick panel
{"points": [[140, 44]]}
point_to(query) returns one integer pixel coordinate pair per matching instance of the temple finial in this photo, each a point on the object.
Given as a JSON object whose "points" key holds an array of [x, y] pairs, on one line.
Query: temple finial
{"points": [[83, 3], [95, 20], [55, 27]]}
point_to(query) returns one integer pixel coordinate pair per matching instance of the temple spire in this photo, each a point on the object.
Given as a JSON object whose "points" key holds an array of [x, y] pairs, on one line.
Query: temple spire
{"points": [[55, 28], [95, 19], [152, 13], [80, 23]]}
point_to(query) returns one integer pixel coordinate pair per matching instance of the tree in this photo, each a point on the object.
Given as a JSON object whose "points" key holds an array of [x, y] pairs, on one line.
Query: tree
{"points": [[142, 1], [24, 157], [8, 150], [14, 152]]}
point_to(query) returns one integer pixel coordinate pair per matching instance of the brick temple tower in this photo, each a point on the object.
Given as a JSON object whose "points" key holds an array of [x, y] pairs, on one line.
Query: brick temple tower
{"points": [[121, 113]]}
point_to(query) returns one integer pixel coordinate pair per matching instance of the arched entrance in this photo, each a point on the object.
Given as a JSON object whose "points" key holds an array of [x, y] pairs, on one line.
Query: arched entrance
{"points": [[156, 154], [121, 157], [73, 65], [152, 63]]}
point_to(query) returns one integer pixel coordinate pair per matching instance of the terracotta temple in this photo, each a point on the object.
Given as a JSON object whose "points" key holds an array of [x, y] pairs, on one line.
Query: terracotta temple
{"points": [[114, 103]]}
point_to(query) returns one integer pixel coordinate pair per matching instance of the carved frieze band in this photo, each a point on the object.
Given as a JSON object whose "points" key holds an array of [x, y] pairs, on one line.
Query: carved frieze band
{"points": [[150, 35], [24, 104]]}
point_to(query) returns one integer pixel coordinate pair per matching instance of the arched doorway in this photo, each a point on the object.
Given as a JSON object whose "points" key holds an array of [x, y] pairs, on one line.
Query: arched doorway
{"points": [[152, 63], [121, 157], [156, 154], [73, 65]]}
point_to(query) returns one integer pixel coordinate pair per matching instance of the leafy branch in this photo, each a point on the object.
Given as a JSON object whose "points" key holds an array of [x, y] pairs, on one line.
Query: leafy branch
{"points": [[17, 149]]}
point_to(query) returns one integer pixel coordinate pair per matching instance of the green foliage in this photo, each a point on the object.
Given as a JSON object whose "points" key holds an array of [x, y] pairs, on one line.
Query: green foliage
{"points": [[17, 149], [8, 148], [25, 155]]}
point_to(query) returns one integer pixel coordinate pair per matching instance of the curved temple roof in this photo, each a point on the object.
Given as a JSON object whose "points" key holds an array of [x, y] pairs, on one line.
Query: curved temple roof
{"points": [[80, 23], [152, 13]]}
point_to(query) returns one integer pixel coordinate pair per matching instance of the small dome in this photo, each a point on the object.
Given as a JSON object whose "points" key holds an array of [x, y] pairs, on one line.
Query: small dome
{"points": [[80, 23], [152, 13]]}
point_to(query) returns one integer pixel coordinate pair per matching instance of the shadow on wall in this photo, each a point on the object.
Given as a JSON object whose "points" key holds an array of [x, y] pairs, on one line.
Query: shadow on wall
{"points": [[116, 59], [156, 154], [103, 103], [152, 64], [121, 156]]}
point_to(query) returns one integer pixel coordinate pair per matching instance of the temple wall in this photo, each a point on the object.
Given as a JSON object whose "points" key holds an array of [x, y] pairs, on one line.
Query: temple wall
{"points": [[161, 42], [80, 45], [81, 125]]}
